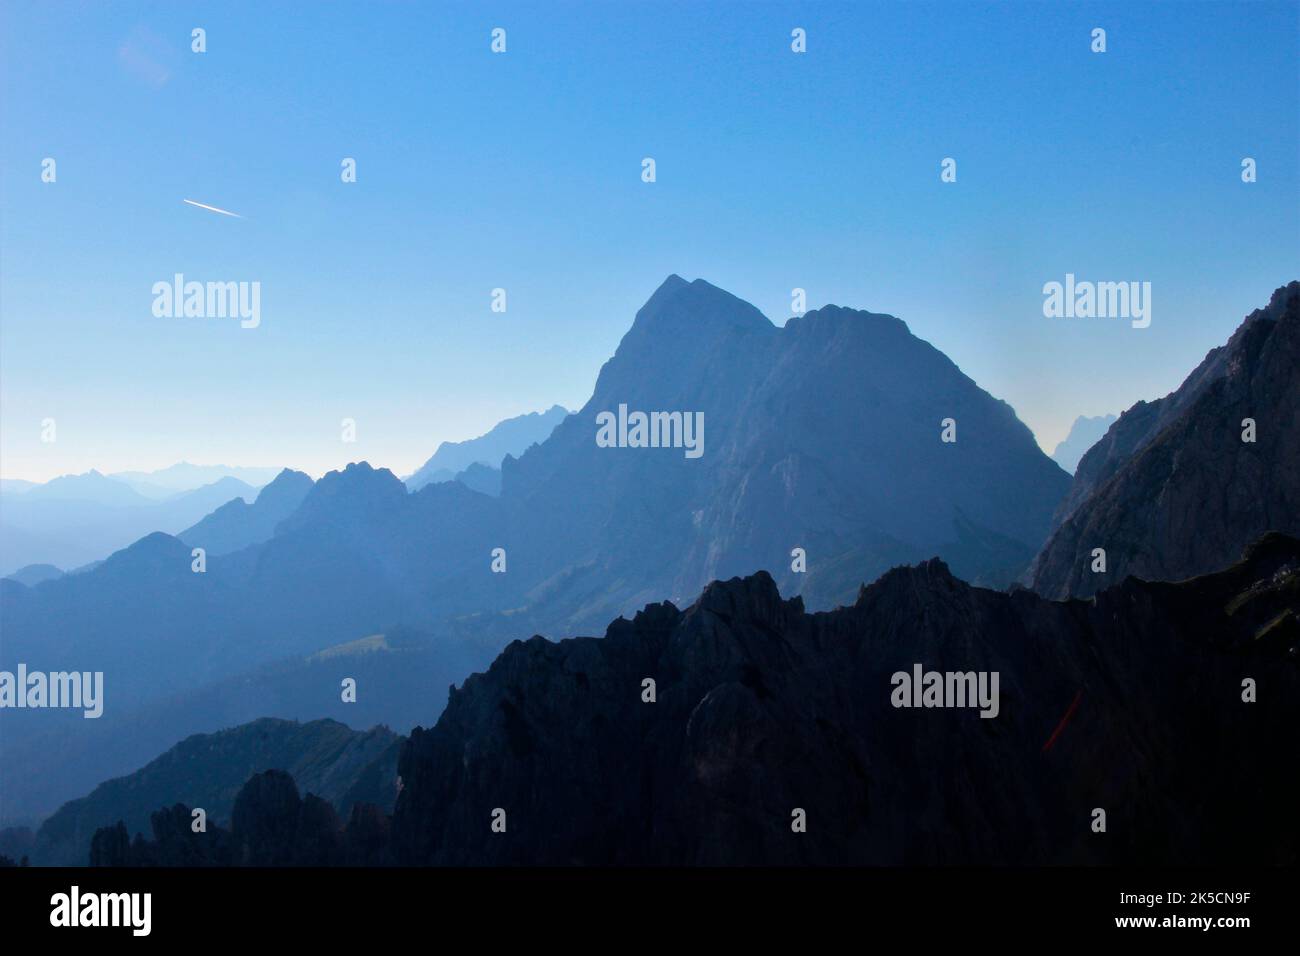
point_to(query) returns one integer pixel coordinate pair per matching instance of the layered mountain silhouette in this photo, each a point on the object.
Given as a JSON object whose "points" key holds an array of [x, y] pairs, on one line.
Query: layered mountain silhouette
{"points": [[238, 524], [184, 476], [482, 478], [76, 519], [745, 730], [1174, 489], [823, 436], [34, 574], [90, 487], [510, 437]]}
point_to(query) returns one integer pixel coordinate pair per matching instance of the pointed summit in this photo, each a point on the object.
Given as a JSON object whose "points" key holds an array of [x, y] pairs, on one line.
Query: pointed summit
{"points": [[683, 330], [674, 283], [694, 308], [287, 484]]}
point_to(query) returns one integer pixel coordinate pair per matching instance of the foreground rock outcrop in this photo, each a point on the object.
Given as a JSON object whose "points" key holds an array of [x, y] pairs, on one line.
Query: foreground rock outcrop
{"points": [[762, 709]]}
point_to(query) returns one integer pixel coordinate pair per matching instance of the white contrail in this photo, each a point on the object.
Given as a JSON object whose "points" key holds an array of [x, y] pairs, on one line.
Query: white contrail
{"points": [[212, 208]]}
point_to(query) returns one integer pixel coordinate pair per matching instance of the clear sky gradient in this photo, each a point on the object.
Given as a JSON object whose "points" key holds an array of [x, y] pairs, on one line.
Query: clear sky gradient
{"points": [[523, 170]]}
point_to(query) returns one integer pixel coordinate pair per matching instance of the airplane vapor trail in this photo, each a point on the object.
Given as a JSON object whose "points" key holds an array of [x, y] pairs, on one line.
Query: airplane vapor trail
{"points": [[212, 208]]}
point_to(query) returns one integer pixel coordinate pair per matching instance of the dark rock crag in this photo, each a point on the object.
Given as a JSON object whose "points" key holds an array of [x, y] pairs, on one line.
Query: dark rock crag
{"points": [[762, 708]]}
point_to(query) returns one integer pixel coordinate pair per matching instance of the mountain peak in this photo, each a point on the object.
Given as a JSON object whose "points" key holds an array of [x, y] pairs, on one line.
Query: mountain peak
{"points": [[155, 555], [678, 306], [361, 474], [288, 476], [671, 284], [288, 485], [356, 495]]}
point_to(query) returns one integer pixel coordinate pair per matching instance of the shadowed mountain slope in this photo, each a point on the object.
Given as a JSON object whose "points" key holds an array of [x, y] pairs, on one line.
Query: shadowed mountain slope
{"points": [[1172, 490]]}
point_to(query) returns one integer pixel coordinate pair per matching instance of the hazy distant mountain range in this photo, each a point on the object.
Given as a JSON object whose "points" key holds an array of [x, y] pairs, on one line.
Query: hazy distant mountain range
{"points": [[33, 574], [161, 483], [184, 476], [1084, 433], [513, 436], [98, 514], [77, 519]]}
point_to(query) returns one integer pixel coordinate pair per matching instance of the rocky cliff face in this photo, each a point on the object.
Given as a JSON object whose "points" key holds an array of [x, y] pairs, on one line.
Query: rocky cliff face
{"points": [[1172, 490]]}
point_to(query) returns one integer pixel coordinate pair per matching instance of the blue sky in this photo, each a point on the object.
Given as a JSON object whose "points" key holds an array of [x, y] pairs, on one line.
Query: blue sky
{"points": [[522, 170]]}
